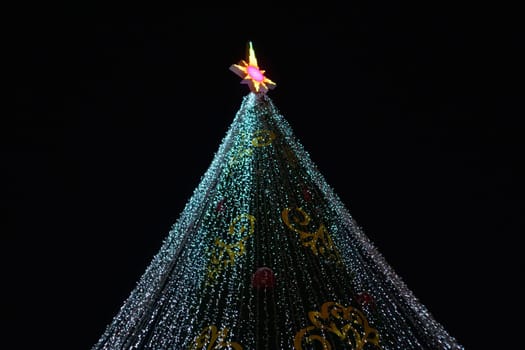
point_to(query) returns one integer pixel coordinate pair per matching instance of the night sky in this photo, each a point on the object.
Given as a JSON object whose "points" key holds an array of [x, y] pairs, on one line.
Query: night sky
{"points": [[407, 112]]}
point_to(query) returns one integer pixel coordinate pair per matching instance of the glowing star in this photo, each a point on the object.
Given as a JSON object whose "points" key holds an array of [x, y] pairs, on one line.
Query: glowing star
{"points": [[251, 74]]}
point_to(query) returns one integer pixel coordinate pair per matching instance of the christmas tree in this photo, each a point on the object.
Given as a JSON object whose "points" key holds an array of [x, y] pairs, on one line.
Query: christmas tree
{"points": [[266, 256]]}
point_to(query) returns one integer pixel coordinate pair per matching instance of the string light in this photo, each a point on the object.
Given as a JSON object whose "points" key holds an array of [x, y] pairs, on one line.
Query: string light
{"points": [[263, 205]]}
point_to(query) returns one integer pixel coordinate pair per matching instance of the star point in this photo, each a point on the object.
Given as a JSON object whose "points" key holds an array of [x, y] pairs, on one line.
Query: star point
{"points": [[251, 74]]}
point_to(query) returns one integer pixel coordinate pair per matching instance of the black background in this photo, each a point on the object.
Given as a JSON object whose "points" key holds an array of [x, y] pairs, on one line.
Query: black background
{"points": [[409, 113]]}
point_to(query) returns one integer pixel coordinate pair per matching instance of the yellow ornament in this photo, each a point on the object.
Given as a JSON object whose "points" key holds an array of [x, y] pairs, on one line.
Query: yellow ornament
{"points": [[225, 254], [262, 138], [211, 339], [319, 241], [347, 323]]}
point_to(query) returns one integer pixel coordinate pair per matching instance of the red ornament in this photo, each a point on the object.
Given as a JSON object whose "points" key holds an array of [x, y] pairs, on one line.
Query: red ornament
{"points": [[263, 278], [365, 299], [307, 195], [220, 206]]}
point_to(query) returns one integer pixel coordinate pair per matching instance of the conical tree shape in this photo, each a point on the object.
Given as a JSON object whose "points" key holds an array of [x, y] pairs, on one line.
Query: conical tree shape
{"points": [[266, 256]]}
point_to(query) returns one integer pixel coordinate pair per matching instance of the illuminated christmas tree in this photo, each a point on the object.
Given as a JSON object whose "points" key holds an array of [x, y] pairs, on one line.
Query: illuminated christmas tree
{"points": [[266, 256]]}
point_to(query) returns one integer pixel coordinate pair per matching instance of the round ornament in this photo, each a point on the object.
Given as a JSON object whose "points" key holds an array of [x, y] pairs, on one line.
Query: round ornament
{"points": [[365, 299], [307, 195], [263, 278]]}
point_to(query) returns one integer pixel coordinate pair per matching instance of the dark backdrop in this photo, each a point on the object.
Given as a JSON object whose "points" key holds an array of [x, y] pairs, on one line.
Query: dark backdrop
{"points": [[408, 112]]}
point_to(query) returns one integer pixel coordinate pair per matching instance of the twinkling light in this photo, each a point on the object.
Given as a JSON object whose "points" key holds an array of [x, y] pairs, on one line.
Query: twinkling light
{"points": [[262, 203]]}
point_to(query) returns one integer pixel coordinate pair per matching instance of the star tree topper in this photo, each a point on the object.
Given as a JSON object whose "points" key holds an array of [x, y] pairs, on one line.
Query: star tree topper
{"points": [[251, 74]]}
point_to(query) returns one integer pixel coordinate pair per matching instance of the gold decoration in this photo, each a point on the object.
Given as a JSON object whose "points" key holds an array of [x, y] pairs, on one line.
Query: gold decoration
{"points": [[245, 152], [347, 323], [224, 253], [211, 339], [319, 241], [262, 138]]}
